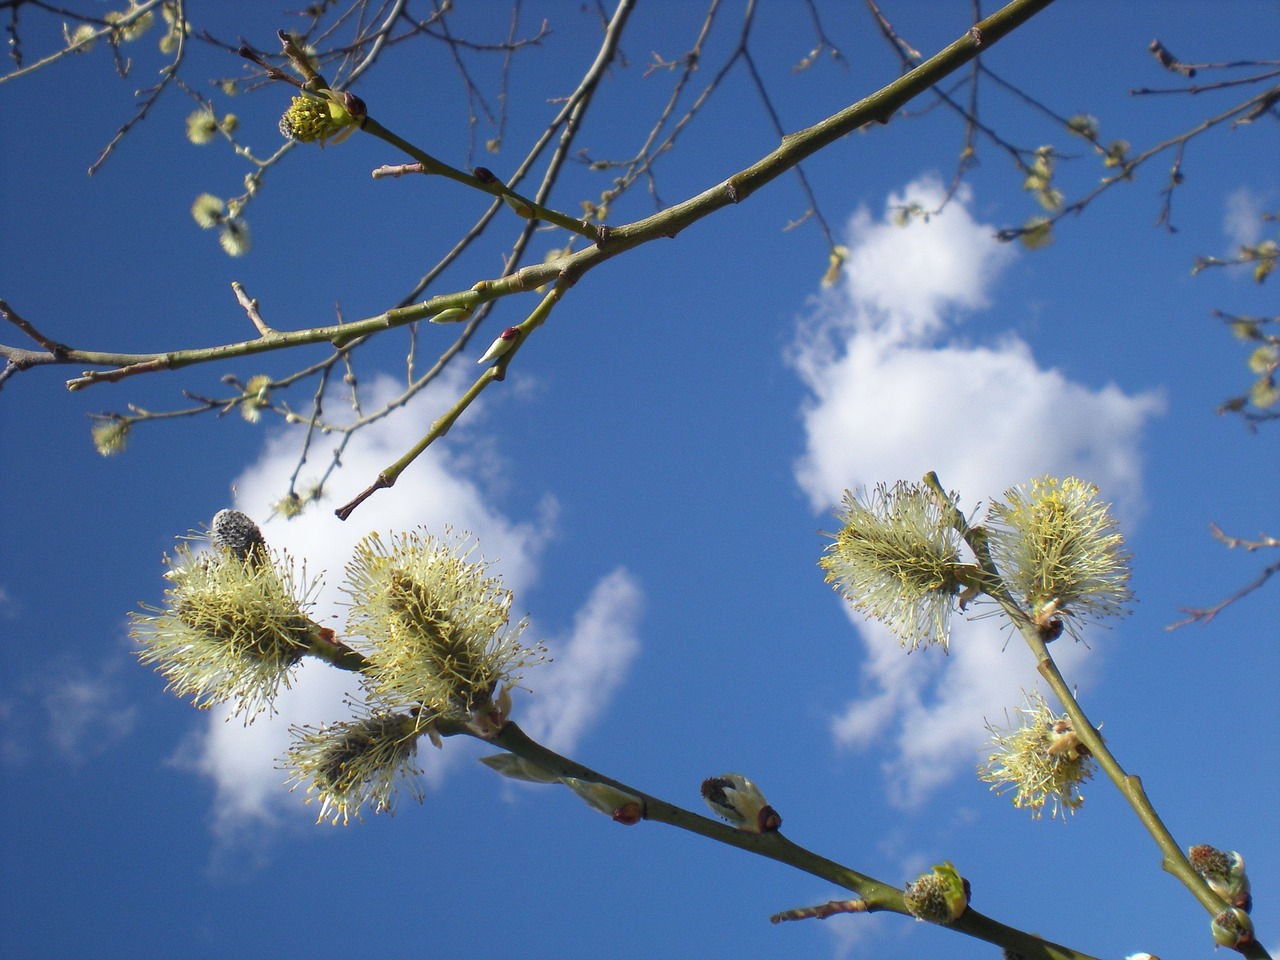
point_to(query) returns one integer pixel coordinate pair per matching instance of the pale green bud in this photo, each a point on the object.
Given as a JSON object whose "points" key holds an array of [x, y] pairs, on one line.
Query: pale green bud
{"points": [[518, 768], [202, 126], [110, 435], [235, 237], [1083, 125], [1036, 233], [738, 800], [451, 315], [208, 210], [625, 808], [1232, 928]]}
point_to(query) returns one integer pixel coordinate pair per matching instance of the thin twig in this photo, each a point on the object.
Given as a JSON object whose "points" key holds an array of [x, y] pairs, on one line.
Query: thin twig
{"points": [[1204, 615]]}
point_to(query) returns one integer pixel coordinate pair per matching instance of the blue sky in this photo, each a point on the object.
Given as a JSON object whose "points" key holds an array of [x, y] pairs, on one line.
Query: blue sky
{"points": [[651, 479]]}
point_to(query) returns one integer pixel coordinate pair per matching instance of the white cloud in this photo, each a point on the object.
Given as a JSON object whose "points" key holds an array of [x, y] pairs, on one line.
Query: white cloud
{"points": [[894, 394], [905, 281], [79, 709], [1242, 217], [984, 418], [436, 490], [929, 711], [87, 714], [589, 665]]}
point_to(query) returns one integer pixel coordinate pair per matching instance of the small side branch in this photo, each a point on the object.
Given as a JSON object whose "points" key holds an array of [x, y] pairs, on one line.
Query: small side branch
{"points": [[873, 895], [822, 910], [1204, 615], [481, 180], [55, 348], [445, 422], [251, 308]]}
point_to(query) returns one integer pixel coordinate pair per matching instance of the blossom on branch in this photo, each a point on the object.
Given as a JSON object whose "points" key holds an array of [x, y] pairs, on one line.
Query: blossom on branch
{"points": [[896, 559], [939, 896], [233, 626], [1057, 548], [1042, 761], [327, 116], [438, 626], [353, 763]]}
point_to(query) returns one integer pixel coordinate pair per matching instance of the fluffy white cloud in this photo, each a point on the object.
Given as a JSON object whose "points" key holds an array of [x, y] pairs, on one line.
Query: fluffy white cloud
{"points": [[929, 711], [589, 664], [437, 490], [894, 394]]}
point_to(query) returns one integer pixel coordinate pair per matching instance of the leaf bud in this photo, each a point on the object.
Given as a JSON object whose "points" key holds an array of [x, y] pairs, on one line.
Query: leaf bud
{"points": [[1232, 928], [451, 315], [504, 342], [1083, 125], [625, 808], [518, 768], [738, 800], [354, 105], [521, 208]]}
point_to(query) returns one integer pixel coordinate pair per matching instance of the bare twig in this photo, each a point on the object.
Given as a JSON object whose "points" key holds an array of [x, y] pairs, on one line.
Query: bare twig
{"points": [[251, 308], [821, 911], [1205, 614], [566, 269]]}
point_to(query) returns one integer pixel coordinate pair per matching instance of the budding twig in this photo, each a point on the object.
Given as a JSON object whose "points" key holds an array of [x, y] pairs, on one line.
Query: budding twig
{"points": [[251, 308]]}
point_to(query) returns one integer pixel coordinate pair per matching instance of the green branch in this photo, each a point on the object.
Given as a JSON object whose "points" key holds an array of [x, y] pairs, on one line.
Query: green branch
{"points": [[878, 107], [483, 181], [878, 896], [1037, 637], [498, 371]]}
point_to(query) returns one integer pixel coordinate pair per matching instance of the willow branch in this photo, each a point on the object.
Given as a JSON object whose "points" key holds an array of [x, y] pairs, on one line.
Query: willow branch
{"points": [[568, 121], [1205, 614], [481, 180], [107, 31], [1174, 860], [878, 107], [1126, 169], [498, 371], [876, 895]]}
